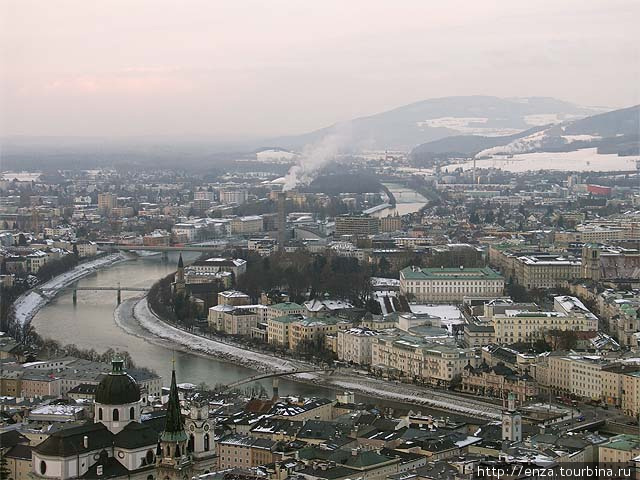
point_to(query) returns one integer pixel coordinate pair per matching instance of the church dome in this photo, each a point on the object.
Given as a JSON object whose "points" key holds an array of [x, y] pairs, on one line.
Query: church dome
{"points": [[117, 388]]}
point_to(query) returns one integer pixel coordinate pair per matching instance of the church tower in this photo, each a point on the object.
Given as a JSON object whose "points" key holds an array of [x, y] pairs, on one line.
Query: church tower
{"points": [[511, 421], [179, 283], [173, 459], [200, 432], [591, 262]]}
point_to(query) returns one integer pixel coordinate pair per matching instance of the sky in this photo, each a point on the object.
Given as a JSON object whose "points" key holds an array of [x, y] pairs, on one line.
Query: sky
{"points": [[239, 69]]}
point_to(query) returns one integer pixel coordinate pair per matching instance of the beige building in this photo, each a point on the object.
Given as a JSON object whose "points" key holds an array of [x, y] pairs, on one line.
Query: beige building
{"points": [[390, 223], [278, 329], [246, 225], [631, 394], [107, 201], [518, 325], [356, 225], [410, 357], [442, 285], [284, 308], [619, 451], [242, 451], [311, 331], [354, 345]]}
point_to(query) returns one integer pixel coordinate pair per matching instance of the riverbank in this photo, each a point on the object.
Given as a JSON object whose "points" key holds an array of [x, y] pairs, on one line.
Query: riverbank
{"points": [[138, 310], [27, 305], [340, 380]]}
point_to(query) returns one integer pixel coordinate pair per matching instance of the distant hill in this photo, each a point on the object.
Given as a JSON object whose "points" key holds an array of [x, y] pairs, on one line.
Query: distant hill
{"points": [[611, 132], [428, 120]]}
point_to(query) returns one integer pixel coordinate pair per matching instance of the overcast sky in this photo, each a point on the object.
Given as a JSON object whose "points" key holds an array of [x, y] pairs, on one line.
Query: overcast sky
{"points": [[228, 69]]}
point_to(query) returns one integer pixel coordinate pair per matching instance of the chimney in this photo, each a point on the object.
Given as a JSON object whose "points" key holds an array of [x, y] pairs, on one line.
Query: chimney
{"points": [[85, 441], [276, 392]]}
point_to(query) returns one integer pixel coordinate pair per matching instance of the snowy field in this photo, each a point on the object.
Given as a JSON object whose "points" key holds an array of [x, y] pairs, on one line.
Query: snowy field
{"points": [[584, 160], [28, 304]]}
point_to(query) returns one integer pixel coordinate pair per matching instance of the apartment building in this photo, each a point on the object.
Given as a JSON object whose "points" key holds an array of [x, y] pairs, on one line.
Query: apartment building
{"points": [[443, 285], [410, 357], [354, 345], [283, 309], [243, 451], [246, 225], [631, 394], [524, 325], [311, 331], [106, 202], [356, 225], [278, 329], [262, 246]]}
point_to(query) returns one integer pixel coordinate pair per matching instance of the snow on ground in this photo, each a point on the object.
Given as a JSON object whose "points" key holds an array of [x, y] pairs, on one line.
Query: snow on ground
{"points": [[580, 138], [583, 160], [467, 126], [430, 398], [449, 314], [256, 360], [28, 304]]}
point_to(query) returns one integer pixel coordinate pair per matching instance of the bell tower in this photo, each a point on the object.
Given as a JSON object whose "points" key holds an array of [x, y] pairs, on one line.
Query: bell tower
{"points": [[511, 421], [173, 460], [200, 433], [591, 262]]}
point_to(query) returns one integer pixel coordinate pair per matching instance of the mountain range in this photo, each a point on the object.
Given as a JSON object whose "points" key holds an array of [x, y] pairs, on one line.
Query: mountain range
{"points": [[616, 131], [405, 127]]}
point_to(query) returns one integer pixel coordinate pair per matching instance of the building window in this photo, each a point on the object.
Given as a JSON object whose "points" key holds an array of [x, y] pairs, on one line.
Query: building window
{"points": [[116, 415], [206, 442], [43, 467], [100, 413], [132, 413]]}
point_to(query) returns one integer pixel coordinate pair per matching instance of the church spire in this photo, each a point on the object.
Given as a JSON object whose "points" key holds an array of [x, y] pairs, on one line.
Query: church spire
{"points": [[180, 263], [173, 427]]}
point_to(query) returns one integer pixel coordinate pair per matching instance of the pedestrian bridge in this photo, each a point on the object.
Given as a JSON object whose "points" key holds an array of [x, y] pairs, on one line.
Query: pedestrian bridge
{"points": [[119, 289]]}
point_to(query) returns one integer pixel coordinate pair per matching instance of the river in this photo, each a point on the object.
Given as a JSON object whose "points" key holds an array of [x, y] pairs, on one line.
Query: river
{"points": [[407, 201], [90, 324]]}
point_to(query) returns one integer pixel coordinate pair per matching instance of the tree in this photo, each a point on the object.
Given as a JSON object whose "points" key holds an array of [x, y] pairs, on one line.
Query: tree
{"points": [[474, 218], [22, 240]]}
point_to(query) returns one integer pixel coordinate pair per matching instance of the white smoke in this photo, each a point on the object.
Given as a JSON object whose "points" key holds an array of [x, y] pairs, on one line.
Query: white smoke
{"points": [[316, 156], [527, 144]]}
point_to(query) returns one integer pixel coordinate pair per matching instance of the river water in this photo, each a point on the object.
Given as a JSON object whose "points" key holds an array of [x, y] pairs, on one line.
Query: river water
{"points": [[407, 201], [90, 324]]}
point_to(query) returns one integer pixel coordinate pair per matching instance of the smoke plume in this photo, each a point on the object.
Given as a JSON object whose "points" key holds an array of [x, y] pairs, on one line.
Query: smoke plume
{"points": [[316, 156]]}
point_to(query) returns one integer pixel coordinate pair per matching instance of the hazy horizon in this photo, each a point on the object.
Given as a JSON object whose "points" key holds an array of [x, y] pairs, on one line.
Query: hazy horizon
{"points": [[237, 70]]}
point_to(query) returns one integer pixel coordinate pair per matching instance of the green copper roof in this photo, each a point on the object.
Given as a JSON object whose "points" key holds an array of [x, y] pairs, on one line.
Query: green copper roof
{"points": [[411, 273], [173, 427]]}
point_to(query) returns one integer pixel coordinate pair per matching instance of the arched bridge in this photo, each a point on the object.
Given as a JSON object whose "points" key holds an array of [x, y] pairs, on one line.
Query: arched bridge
{"points": [[275, 376]]}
